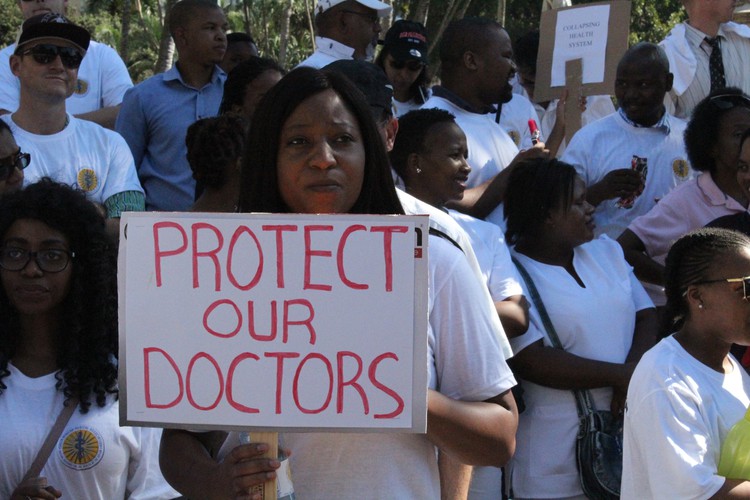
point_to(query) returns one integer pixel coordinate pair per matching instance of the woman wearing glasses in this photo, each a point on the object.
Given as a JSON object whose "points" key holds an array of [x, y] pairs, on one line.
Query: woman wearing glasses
{"points": [[58, 342], [12, 161], [688, 391], [712, 141], [404, 59]]}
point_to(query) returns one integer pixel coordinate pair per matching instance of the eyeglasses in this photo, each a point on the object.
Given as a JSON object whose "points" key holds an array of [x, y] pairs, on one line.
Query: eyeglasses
{"points": [[372, 18], [745, 285], [52, 260], [46, 53], [412, 64], [729, 101], [17, 160]]}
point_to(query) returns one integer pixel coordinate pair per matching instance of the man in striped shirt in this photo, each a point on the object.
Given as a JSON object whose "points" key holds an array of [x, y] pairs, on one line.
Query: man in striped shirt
{"points": [[689, 47]]}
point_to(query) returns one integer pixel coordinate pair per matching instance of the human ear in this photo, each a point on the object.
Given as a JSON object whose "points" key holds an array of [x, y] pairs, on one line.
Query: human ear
{"points": [[470, 60]]}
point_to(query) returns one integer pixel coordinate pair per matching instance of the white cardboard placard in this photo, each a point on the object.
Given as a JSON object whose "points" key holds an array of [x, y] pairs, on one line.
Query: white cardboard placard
{"points": [[273, 321]]}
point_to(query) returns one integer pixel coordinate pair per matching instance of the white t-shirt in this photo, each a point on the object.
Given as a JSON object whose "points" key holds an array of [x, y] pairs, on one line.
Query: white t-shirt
{"points": [[490, 148], [94, 458], [595, 322], [610, 144], [514, 118], [83, 154], [465, 362], [327, 51], [493, 255], [679, 412], [102, 81]]}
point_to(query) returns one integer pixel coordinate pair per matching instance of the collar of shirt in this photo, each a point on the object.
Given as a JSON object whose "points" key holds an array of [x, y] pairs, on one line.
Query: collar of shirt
{"points": [[174, 74], [446, 94], [333, 48], [662, 125], [696, 38]]}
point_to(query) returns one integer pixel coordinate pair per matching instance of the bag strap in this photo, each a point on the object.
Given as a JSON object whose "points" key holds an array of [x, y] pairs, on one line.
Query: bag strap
{"points": [[49, 442], [584, 403]]}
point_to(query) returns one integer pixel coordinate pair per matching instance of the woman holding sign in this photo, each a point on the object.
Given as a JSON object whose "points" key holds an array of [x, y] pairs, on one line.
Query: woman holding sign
{"points": [[314, 148], [58, 342]]}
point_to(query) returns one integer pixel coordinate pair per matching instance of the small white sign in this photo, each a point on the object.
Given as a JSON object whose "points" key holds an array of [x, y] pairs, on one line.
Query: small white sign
{"points": [[581, 33]]}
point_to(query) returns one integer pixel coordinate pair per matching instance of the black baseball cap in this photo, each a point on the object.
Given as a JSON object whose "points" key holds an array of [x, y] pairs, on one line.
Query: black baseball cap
{"points": [[407, 40], [371, 80], [51, 25]]}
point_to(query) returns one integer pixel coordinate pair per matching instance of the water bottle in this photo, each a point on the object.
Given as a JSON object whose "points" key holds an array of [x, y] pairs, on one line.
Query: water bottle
{"points": [[735, 451], [284, 485]]}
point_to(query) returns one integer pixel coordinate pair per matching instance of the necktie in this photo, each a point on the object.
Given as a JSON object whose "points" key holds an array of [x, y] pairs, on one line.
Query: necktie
{"points": [[716, 64]]}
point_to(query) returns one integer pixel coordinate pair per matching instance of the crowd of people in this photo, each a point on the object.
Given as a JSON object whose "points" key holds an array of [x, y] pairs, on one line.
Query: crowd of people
{"points": [[615, 260]]}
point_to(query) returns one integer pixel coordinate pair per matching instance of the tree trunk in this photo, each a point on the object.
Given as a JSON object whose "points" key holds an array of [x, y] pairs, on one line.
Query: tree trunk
{"points": [[310, 24], [125, 31], [420, 11], [501, 12], [166, 44], [286, 15], [246, 4]]}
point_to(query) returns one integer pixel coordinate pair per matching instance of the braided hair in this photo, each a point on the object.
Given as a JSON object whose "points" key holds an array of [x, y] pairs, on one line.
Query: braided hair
{"points": [[690, 261]]}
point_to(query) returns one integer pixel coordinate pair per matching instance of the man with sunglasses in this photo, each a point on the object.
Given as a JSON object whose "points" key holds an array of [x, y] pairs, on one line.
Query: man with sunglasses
{"points": [[67, 149], [707, 52], [346, 29], [102, 77], [12, 161]]}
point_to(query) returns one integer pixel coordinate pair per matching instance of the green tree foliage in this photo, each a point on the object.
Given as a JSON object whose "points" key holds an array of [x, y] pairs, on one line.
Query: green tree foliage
{"points": [[650, 21]]}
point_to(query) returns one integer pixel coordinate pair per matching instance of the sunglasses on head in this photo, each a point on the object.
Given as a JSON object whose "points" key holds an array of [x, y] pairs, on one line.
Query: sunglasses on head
{"points": [[729, 101], [17, 160], [46, 53], [745, 284], [412, 64]]}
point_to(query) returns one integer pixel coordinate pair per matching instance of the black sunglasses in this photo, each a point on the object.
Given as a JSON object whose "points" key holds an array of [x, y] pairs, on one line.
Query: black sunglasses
{"points": [[46, 53], [17, 160], [729, 101], [412, 64]]}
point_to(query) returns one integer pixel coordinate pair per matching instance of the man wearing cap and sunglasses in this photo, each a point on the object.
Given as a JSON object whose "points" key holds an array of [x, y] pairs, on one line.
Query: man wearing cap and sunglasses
{"points": [[67, 149], [102, 77], [12, 161], [346, 29]]}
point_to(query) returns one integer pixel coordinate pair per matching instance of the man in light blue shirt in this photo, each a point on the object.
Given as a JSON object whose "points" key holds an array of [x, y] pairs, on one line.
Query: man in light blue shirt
{"points": [[156, 113]]}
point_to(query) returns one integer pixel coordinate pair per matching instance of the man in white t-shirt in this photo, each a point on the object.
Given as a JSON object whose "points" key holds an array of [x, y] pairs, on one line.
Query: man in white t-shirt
{"points": [[689, 49], [102, 77], [67, 149], [346, 29], [630, 159], [476, 60]]}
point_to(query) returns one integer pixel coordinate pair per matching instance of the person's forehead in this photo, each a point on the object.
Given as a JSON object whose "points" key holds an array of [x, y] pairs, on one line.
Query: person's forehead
{"points": [[640, 68]]}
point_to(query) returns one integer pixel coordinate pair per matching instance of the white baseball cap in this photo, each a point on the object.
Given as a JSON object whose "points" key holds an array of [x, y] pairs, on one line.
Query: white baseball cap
{"points": [[383, 9]]}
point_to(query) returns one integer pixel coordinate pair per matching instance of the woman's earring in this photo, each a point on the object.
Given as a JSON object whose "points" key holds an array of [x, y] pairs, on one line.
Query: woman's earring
{"points": [[700, 306], [419, 170]]}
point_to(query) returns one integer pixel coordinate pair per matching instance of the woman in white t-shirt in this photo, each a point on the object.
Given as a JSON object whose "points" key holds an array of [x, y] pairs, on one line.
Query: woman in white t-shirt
{"points": [[314, 147], [688, 391], [430, 156], [58, 342], [602, 316], [404, 60]]}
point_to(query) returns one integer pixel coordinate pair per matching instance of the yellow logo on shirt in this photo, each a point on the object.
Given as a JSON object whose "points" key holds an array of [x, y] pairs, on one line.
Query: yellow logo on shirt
{"points": [[87, 179], [82, 87], [515, 136], [680, 168], [81, 448]]}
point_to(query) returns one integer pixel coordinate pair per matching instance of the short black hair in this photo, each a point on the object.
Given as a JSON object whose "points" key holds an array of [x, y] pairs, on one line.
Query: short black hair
{"points": [[239, 37], [241, 76], [702, 132], [689, 261], [464, 35], [413, 128], [535, 188], [185, 10], [525, 50], [213, 145]]}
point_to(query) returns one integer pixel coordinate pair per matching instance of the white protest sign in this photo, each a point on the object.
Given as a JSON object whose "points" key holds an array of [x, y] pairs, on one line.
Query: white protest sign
{"points": [[295, 322], [581, 33]]}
